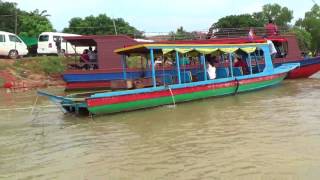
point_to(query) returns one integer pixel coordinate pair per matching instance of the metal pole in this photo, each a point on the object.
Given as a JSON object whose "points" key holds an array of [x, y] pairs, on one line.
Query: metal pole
{"points": [[178, 67], [16, 21], [124, 67], [153, 68], [231, 65], [250, 62], [115, 27], [203, 60]]}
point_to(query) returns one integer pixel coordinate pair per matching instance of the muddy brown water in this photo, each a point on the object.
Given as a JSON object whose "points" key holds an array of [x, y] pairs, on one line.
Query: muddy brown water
{"points": [[268, 134]]}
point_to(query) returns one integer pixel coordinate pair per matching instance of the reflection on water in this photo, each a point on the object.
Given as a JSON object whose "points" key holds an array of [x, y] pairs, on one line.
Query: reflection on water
{"points": [[269, 134]]}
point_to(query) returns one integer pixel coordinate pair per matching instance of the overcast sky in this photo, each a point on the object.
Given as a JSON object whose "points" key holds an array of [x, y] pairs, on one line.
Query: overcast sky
{"points": [[157, 15]]}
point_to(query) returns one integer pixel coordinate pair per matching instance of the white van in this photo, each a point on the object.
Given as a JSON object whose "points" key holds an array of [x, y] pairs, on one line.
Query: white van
{"points": [[49, 42], [12, 46]]}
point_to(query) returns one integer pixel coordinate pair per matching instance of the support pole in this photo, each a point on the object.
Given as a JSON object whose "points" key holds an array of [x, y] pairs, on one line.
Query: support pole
{"points": [[250, 62], [231, 65], [203, 61], [153, 68], [178, 66], [124, 67]]}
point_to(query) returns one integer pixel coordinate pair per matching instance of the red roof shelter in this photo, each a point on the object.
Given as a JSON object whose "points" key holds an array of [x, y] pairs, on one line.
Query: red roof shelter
{"points": [[105, 45]]}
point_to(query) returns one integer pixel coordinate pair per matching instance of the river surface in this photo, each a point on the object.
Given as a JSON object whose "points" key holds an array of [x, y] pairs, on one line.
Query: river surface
{"points": [[268, 134]]}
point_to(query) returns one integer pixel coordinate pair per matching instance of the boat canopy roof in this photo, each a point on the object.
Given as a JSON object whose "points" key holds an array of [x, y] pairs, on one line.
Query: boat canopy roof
{"points": [[185, 48]]}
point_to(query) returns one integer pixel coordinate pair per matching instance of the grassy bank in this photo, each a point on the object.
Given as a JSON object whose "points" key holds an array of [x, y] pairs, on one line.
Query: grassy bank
{"points": [[31, 69], [46, 65]]}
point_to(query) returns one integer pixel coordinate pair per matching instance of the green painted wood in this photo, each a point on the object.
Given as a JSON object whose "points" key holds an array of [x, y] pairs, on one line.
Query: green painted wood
{"points": [[113, 108]]}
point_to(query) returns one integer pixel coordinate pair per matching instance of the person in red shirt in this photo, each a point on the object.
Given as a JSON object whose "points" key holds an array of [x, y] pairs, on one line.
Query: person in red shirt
{"points": [[239, 63], [271, 29]]}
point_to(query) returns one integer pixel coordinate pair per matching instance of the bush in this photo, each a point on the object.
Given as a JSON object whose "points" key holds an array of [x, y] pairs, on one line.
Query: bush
{"points": [[52, 65]]}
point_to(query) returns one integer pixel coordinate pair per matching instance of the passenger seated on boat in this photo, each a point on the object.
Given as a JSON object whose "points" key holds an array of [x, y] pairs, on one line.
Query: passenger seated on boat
{"points": [[238, 62], [211, 69], [84, 61]]}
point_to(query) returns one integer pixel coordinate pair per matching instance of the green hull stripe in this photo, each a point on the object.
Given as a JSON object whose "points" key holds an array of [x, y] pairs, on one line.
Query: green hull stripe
{"points": [[127, 106]]}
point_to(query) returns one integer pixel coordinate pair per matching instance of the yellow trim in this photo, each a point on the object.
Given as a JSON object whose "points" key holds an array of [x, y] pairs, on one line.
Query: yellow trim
{"points": [[166, 51], [249, 49], [207, 50], [183, 50], [184, 45], [228, 50]]}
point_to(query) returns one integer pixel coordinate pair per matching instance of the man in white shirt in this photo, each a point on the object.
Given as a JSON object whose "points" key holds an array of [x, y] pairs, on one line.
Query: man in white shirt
{"points": [[211, 69], [272, 48]]}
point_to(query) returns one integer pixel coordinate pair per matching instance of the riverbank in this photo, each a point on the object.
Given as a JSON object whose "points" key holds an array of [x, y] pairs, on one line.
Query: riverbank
{"points": [[32, 72]]}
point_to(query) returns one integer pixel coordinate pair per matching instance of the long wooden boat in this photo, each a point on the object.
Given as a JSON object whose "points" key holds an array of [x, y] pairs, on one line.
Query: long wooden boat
{"points": [[169, 89], [110, 67]]}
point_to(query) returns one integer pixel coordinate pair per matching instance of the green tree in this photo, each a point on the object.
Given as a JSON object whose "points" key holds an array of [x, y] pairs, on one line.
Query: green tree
{"points": [[34, 23], [7, 16], [280, 15], [181, 34], [311, 23], [28, 23], [304, 38], [238, 21], [100, 25]]}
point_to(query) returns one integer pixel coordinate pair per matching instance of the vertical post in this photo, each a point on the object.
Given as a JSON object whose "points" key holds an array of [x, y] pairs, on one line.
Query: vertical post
{"points": [[66, 52], [16, 21], [203, 61], [124, 67], [115, 27], [178, 67], [250, 62], [75, 55], [153, 68], [231, 65], [257, 63]]}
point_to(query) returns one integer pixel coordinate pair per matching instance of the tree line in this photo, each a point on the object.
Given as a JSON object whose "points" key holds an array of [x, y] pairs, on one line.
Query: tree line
{"points": [[307, 29], [32, 23]]}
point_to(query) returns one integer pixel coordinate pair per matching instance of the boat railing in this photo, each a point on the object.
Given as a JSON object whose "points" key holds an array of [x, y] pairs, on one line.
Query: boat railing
{"points": [[213, 33]]}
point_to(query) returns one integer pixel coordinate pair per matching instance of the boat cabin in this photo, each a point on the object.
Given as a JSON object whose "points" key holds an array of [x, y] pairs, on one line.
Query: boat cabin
{"points": [[188, 62], [103, 47]]}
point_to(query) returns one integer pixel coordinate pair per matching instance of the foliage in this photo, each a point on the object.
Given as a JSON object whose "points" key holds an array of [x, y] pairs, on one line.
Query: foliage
{"points": [[311, 23], [280, 15], [52, 65], [181, 34], [304, 38], [28, 23], [101, 25], [43, 64], [7, 14], [237, 21], [34, 23]]}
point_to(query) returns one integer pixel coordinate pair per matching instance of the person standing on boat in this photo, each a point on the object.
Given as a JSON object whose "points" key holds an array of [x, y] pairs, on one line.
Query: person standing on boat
{"points": [[251, 35], [271, 28], [211, 69], [272, 48]]}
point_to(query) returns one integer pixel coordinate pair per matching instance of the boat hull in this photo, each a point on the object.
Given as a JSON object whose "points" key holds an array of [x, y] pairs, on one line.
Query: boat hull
{"points": [[304, 71], [307, 68], [105, 105]]}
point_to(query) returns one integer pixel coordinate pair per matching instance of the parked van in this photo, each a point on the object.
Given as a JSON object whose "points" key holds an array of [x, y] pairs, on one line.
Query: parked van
{"points": [[12, 46], [54, 43]]}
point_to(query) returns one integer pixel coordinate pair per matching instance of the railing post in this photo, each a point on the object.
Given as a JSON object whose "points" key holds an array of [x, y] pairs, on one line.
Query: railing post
{"points": [[231, 65], [178, 66], [153, 68]]}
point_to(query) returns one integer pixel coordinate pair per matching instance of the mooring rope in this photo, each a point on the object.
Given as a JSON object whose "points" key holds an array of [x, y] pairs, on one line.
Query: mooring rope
{"points": [[173, 100], [27, 108]]}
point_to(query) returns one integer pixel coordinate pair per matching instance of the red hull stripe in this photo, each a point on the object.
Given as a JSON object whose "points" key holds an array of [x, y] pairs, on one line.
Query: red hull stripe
{"points": [[135, 97], [304, 72]]}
